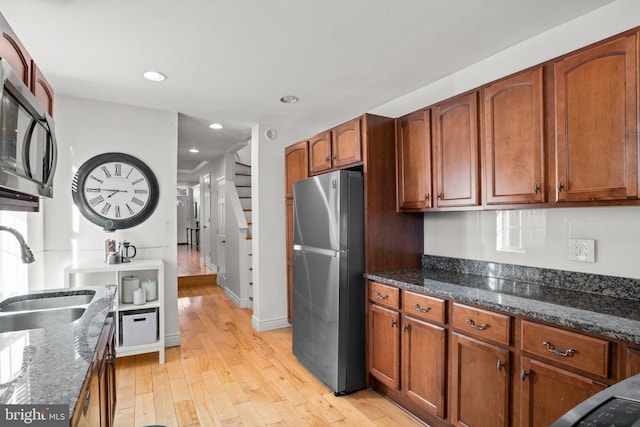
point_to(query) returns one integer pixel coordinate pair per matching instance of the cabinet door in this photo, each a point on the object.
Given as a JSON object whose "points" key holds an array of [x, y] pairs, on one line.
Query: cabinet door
{"points": [[320, 153], [384, 345], [633, 361], [513, 140], [455, 137], [480, 383], [413, 161], [14, 52], [547, 392], [296, 165], [424, 364], [346, 144], [596, 123], [41, 88]]}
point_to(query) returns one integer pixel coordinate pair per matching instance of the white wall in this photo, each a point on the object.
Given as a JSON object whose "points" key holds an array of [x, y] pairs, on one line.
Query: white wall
{"points": [[86, 128]]}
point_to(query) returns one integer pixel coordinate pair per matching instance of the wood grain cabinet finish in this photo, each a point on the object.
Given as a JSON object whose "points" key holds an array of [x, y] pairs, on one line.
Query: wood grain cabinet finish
{"points": [[424, 307], [336, 148], [320, 153], [384, 345], [455, 138], [384, 295], [484, 324], [41, 88], [424, 364], [296, 166], [597, 122], [12, 50], [413, 161], [480, 385], [632, 361], [289, 211], [547, 392], [346, 144], [513, 143]]}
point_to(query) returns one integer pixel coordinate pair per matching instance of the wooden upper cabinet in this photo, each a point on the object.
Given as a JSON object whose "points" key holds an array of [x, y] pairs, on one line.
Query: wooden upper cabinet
{"points": [[41, 88], [14, 52], [413, 161], [513, 143], [320, 153], [336, 148], [596, 123], [296, 165], [346, 144], [455, 138]]}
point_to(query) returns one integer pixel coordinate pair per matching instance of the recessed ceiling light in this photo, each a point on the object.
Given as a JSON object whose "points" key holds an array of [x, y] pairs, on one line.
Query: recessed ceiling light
{"points": [[289, 99], [194, 150], [215, 126], [154, 76]]}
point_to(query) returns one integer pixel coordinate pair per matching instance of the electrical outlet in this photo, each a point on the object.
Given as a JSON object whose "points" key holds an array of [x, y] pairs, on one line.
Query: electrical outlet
{"points": [[582, 250]]}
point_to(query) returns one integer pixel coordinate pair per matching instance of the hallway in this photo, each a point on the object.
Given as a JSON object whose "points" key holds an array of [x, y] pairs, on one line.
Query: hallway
{"points": [[190, 271]]}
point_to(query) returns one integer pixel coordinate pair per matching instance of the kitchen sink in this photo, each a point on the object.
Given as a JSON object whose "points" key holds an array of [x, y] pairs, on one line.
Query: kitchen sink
{"points": [[45, 300], [37, 319]]}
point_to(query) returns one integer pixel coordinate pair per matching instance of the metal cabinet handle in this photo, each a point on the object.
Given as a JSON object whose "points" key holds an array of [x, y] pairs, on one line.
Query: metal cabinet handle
{"points": [[405, 328], [478, 327], [422, 309], [333, 158], [393, 323], [536, 188], [327, 159], [380, 296], [551, 348], [560, 187], [426, 196], [523, 375], [500, 365], [439, 196]]}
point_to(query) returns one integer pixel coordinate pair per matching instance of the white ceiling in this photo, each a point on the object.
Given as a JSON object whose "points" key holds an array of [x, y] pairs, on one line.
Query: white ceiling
{"points": [[230, 61]]}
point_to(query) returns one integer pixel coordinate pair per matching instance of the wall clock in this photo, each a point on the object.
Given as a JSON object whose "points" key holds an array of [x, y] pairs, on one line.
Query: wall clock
{"points": [[115, 190]]}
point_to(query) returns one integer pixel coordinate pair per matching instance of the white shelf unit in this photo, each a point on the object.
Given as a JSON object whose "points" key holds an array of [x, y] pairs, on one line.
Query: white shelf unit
{"points": [[111, 274]]}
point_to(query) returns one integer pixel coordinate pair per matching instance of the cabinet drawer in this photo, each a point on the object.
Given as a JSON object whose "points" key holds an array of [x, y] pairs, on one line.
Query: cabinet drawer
{"points": [[482, 323], [569, 348], [384, 295], [423, 307]]}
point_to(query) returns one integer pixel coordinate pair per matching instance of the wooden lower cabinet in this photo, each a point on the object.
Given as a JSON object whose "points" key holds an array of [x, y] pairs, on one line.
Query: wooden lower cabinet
{"points": [[480, 383], [547, 392], [423, 356], [384, 345]]}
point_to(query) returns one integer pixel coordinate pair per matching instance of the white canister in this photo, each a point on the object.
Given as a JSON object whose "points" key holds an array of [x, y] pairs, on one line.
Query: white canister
{"points": [[139, 296], [129, 284], [151, 288]]}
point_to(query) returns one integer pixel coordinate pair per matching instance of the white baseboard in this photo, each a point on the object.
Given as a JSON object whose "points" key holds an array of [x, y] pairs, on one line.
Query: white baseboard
{"points": [[242, 303], [213, 267], [269, 325], [172, 340]]}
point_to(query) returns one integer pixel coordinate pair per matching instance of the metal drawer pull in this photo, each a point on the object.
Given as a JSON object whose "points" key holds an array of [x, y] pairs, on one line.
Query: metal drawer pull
{"points": [[393, 323], [500, 365], [523, 375], [421, 309], [551, 349], [380, 296], [478, 327]]}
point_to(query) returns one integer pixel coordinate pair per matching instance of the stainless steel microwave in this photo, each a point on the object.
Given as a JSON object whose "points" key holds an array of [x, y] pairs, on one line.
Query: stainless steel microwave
{"points": [[28, 151]]}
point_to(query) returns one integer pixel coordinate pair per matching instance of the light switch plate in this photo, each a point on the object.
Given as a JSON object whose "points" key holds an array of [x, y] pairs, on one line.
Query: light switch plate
{"points": [[582, 250]]}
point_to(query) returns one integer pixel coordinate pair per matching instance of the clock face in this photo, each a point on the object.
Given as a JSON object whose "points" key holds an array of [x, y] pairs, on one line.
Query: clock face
{"points": [[115, 190]]}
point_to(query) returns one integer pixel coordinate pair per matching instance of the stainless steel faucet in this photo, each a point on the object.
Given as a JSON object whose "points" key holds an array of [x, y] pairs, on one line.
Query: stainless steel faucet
{"points": [[27, 255]]}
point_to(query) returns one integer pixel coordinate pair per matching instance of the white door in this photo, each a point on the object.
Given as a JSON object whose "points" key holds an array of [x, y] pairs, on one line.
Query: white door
{"points": [[205, 219], [221, 236]]}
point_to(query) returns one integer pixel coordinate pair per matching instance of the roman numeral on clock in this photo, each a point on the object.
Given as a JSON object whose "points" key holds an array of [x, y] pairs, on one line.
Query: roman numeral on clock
{"points": [[105, 209], [92, 190], [137, 181], [117, 211], [97, 179], [118, 169], [140, 191], [137, 201], [106, 171], [96, 201], [131, 212]]}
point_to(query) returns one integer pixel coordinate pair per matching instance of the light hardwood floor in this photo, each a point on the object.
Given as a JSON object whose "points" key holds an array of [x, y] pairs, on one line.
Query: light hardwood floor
{"points": [[227, 374]]}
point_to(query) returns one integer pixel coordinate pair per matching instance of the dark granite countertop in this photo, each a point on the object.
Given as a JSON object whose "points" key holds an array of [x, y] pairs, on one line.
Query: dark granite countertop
{"points": [[49, 365], [600, 314]]}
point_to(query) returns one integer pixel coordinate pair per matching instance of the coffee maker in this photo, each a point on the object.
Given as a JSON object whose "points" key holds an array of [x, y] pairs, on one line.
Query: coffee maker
{"points": [[127, 251]]}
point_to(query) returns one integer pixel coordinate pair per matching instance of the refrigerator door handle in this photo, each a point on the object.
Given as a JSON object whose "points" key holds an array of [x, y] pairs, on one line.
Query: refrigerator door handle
{"points": [[328, 252]]}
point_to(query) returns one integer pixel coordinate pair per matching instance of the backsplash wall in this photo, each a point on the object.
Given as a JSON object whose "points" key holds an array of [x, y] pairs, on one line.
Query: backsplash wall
{"points": [[539, 237]]}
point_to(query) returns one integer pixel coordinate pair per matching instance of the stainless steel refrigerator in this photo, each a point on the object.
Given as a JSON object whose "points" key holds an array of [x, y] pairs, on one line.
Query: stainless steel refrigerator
{"points": [[328, 283]]}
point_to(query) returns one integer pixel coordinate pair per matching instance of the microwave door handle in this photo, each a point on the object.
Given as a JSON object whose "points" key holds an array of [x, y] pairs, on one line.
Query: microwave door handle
{"points": [[54, 152], [26, 146]]}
